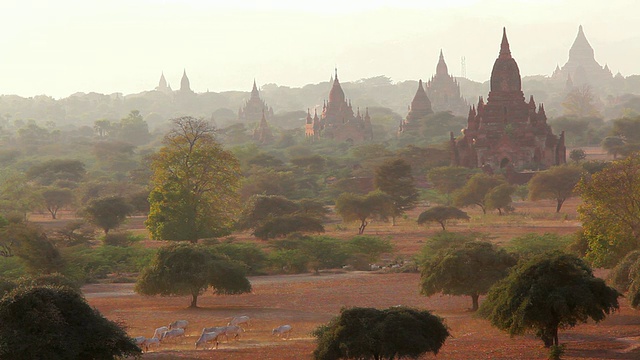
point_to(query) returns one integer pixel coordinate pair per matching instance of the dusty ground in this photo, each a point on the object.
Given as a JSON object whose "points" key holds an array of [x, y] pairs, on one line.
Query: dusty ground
{"points": [[306, 301]]}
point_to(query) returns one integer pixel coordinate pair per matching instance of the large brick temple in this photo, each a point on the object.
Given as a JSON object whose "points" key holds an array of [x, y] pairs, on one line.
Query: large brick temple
{"points": [[444, 91], [256, 111], [507, 130], [338, 121]]}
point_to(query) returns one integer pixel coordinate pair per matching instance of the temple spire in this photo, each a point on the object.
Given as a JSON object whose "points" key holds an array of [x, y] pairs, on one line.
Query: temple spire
{"points": [[505, 52]]}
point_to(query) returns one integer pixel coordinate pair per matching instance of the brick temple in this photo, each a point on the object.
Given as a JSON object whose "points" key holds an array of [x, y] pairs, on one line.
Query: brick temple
{"points": [[444, 91]]}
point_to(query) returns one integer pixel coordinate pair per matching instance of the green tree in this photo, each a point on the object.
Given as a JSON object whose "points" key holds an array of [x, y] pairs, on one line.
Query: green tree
{"points": [[580, 102], [195, 183], [557, 183], [58, 323], [366, 334], [577, 155], [48, 172], [548, 292], [56, 199], [441, 215], [287, 224], [447, 179], [614, 145], [187, 269], [468, 270], [133, 129], [626, 272], [371, 247], [528, 245], [475, 191], [499, 198], [107, 213], [102, 127], [609, 211], [394, 178], [360, 208], [31, 245]]}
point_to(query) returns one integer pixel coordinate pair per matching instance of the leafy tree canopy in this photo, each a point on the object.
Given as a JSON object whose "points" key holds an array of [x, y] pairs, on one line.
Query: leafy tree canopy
{"points": [[57, 323], [548, 292], [187, 269], [107, 213], [360, 208], [557, 183], [366, 333], [442, 214], [394, 178], [475, 191], [468, 270]]}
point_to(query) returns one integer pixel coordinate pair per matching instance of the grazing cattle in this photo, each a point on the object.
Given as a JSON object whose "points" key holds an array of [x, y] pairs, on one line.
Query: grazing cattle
{"points": [[233, 330], [179, 324], [172, 334], [239, 320], [148, 343], [282, 331], [213, 329], [208, 337], [159, 331], [139, 340]]}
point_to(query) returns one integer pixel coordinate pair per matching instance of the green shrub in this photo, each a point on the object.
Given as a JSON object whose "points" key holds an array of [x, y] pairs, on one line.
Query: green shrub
{"points": [[248, 253], [55, 279], [121, 238], [288, 261], [446, 239], [533, 244]]}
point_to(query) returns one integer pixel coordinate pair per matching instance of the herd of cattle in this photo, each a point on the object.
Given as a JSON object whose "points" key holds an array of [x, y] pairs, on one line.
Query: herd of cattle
{"points": [[209, 336]]}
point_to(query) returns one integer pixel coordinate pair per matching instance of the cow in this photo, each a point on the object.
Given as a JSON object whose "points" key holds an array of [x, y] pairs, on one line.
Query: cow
{"points": [[233, 330], [213, 329], [239, 320], [154, 341], [208, 337], [172, 334], [179, 324], [139, 340], [282, 331], [159, 331]]}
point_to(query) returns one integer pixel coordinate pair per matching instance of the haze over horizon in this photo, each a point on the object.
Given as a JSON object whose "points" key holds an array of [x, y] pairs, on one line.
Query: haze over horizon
{"points": [[67, 46]]}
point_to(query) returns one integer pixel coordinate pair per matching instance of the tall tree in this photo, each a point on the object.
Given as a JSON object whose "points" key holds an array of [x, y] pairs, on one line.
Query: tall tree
{"points": [[468, 270], [195, 183], [580, 102], [362, 208], [133, 129], [366, 333], [548, 292], [447, 179], [56, 199], [188, 269], [30, 244], [557, 183], [499, 198], [441, 215], [394, 178], [609, 211], [475, 191], [58, 323]]}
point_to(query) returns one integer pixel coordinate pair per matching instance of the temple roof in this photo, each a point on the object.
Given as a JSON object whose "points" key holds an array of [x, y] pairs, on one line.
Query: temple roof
{"points": [[420, 105], [505, 76], [336, 95], [441, 68], [581, 47], [184, 83]]}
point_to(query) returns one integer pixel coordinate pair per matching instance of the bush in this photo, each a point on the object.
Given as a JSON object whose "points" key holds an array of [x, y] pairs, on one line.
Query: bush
{"points": [[533, 244], [445, 240], [55, 279], [250, 254], [89, 264], [121, 239], [288, 261]]}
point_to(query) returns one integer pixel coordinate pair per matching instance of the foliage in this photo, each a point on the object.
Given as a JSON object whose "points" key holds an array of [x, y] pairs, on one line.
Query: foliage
{"points": [[394, 178], [87, 264], [250, 254], [548, 292], [577, 155], [442, 214], [133, 129], [121, 238], [445, 240], [469, 270], [56, 199], [371, 247], [367, 333], [107, 213], [188, 269], [195, 183], [580, 102], [528, 245], [31, 245], [614, 145], [57, 323], [609, 212], [557, 183], [72, 233], [499, 198], [475, 191], [353, 207], [623, 275], [54, 279], [447, 179], [292, 261], [48, 172]]}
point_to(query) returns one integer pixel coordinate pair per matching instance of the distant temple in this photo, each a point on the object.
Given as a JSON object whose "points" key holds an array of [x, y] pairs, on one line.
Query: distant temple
{"points": [[256, 111], [507, 131], [163, 86], [420, 108], [338, 121], [444, 91], [582, 67], [185, 85]]}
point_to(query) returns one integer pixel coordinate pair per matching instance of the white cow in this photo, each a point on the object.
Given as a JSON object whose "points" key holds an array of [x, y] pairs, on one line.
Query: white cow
{"points": [[172, 334], [213, 329], [282, 331], [233, 330], [239, 320], [149, 342], [159, 331], [208, 337], [179, 324], [139, 340]]}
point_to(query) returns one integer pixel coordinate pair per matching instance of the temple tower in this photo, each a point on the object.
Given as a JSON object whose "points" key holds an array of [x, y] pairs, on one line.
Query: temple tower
{"points": [[582, 66], [444, 91], [420, 108]]}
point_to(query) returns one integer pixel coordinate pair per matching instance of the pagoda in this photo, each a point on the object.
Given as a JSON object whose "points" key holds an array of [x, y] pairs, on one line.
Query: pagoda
{"points": [[444, 91], [507, 131], [582, 67], [262, 133], [420, 108], [255, 108], [163, 86], [338, 121]]}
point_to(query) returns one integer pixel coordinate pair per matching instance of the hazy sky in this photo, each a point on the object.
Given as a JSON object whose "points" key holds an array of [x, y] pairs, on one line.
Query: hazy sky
{"points": [[60, 47]]}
